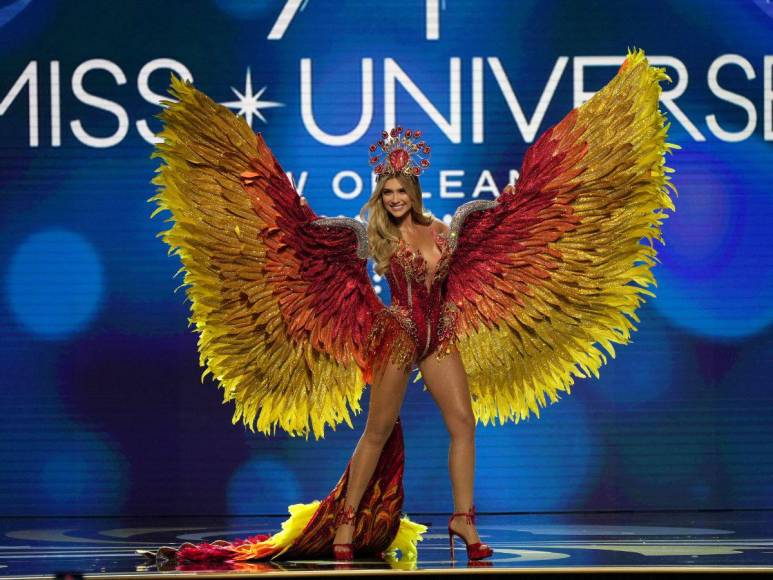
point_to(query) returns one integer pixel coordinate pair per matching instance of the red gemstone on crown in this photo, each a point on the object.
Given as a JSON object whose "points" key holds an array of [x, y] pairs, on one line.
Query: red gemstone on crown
{"points": [[398, 158], [379, 169], [372, 148], [416, 170], [408, 132], [417, 133]]}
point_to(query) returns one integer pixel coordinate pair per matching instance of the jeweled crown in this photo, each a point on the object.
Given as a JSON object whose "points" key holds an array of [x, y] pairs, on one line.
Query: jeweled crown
{"points": [[399, 152]]}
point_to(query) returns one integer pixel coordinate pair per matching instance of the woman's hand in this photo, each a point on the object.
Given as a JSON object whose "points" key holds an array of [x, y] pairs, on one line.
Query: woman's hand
{"points": [[303, 200]]}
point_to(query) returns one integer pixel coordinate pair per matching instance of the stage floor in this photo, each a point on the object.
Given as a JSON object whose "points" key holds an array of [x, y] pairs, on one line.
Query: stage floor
{"points": [[599, 542]]}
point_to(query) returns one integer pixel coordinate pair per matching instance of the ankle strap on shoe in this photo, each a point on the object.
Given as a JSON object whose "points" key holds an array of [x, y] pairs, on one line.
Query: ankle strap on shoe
{"points": [[344, 514], [468, 515]]}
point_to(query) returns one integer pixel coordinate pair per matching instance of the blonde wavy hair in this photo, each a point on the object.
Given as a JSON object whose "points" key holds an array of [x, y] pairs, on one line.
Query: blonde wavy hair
{"points": [[383, 234]]}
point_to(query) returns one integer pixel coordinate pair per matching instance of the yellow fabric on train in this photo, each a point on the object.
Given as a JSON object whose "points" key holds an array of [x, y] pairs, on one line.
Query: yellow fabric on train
{"points": [[300, 514], [409, 534]]}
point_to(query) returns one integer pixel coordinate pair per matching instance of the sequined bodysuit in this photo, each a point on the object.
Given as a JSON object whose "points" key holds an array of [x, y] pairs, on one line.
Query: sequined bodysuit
{"points": [[418, 301]]}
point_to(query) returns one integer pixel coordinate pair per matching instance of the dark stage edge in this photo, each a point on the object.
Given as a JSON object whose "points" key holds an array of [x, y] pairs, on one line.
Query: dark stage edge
{"points": [[530, 544]]}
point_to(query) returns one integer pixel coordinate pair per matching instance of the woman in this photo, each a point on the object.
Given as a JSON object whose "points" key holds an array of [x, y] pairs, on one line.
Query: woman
{"points": [[399, 229], [500, 311]]}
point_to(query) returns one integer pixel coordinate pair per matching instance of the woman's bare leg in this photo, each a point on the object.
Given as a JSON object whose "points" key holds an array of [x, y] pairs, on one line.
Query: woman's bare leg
{"points": [[386, 398], [446, 381]]}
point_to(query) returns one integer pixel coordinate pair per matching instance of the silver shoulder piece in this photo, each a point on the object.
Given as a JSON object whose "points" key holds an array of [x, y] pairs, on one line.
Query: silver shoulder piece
{"points": [[345, 222], [461, 214]]}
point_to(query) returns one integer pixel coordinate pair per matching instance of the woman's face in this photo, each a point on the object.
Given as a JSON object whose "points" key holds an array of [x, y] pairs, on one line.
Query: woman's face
{"points": [[395, 199]]}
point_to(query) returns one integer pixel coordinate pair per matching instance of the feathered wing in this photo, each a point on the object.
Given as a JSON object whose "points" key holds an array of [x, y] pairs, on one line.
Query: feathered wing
{"points": [[281, 299], [544, 272]]}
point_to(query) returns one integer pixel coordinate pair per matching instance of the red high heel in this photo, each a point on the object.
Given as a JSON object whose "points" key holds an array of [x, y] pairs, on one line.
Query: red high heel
{"points": [[476, 551], [344, 515]]}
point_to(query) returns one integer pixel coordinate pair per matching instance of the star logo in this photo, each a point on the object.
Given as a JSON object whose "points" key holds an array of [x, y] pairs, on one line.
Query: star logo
{"points": [[249, 103]]}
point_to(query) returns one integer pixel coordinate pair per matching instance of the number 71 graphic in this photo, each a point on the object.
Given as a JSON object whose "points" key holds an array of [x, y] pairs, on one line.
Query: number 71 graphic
{"points": [[291, 8]]}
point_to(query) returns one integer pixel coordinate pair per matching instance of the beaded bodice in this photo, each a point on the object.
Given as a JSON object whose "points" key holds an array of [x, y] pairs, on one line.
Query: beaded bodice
{"points": [[414, 265], [418, 292]]}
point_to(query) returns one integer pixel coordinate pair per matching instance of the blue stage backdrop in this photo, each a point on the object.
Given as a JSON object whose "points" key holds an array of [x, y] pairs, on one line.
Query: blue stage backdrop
{"points": [[103, 409]]}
